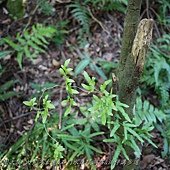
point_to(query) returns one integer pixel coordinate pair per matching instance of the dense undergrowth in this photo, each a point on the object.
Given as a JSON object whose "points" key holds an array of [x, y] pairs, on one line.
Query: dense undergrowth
{"points": [[83, 127]]}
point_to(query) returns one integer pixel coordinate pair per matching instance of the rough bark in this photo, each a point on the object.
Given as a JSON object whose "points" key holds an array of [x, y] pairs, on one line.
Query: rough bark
{"points": [[136, 39], [126, 87]]}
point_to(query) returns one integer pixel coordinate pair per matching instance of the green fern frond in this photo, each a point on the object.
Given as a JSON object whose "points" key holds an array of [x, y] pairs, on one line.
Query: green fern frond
{"points": [[164, 93], [109, 5], [5, 92], [81, 14], [157, 69], [31, 43], [45, 7], [147, 113]]}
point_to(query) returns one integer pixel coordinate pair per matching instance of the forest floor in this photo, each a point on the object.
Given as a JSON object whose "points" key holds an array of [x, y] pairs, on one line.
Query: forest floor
{"points": [[103, 43]]}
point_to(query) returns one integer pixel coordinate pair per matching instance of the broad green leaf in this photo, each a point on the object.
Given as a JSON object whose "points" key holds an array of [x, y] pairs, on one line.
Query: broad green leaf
{"points": [[86, 87], [72, 147], [95, 149], [44, 115], [4, 53], [166, 148], [100, 72], [50, 106], [95, 134], [62, 71], [68, 110], [41, 38], [44, 146], [68, 137], [125, 134], [150, 141], [116, 156], [35, 152], [27, 52], [74, 91], [66, 63], [68, 80], [116, 127], [36, 47], [135, 147], [37, 116], [95, 126], [64, 103], [104, 85], [103, 117], [81, 121], [109, 140], [130, 125], [12, 44], [122, 104], [124, 153], [82, 65], [64, 128], [19, 59], [87, 77], [135, 134], [7, 95], [26, 35], [89, 157], [125, 115], [21, 40], [6, 86], [77, 151], [37, 41]]}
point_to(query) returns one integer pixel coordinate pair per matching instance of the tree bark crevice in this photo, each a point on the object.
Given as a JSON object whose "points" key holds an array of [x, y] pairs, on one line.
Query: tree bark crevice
{"points": [[136, 39]]}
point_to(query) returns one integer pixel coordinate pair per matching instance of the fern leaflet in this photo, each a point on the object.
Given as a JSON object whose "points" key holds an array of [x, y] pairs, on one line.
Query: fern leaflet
{"points": [[31, 43], [81, 14], [147, 113]]}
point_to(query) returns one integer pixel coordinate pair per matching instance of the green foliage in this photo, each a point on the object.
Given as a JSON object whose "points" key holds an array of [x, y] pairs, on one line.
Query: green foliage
{"points": [[5, 92], [147, 113], [109, 5], [81, 11], [58, 152], [100, 66], [2, 70], [156, 76], [42, 88], [61, 32], [45, 7], [81, 14], [3, 54], [164, 7], [5, 88], [31, 43], [31, 103], [157, 69], [35, 149], [47, 105], [78, 128], [165, 132]]}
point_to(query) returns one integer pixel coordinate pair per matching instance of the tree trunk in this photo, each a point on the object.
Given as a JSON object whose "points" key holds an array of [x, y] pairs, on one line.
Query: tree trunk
{"points": [[126, 88], [136, 39]]}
